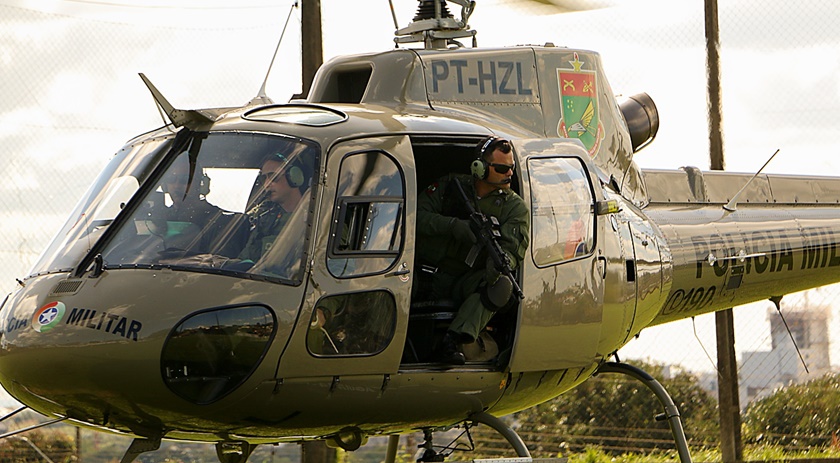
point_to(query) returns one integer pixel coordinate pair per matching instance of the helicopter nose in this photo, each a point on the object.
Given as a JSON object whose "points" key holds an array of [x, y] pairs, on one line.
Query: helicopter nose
{"points": [[211, 353]]}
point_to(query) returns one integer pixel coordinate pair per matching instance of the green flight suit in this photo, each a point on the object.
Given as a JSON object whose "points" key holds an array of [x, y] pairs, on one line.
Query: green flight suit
{"points": [[210, 229], [267, 219], [437, 248]]}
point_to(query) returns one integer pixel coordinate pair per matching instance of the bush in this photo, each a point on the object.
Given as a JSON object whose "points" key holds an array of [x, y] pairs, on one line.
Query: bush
{"points": [[19, 449], [615, 413], [798, 416]]}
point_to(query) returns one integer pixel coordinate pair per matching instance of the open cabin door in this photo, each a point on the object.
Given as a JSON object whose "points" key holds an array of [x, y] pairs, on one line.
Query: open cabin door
{"points": [[355, 313], [563, 273]]}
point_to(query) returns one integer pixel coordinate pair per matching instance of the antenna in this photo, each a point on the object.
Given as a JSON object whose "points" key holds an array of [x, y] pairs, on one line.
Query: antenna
{"points": [[730, 206], [776, 300], [261, 97], [700, 341], [394, 15]]}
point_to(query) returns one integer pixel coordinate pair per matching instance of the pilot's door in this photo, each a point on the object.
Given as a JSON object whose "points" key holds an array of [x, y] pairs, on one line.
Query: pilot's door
{"points": [[354, 316]]}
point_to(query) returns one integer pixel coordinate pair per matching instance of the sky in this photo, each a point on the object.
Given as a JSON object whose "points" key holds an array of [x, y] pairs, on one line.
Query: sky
{"points": [[71, 95]]}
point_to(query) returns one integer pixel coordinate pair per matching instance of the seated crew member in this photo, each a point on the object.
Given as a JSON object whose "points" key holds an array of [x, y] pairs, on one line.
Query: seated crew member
{"points": [[352, 324], [192, 222], [281, 183], [445, 239]]}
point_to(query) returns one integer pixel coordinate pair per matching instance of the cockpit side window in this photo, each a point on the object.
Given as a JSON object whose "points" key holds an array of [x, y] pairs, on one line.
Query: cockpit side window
{"points": [[562, 210], [368, 220], [225, 203]]}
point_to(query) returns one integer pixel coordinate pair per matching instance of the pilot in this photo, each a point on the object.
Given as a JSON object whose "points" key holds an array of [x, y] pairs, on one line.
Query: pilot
{"points": [[445, 239], [281, 183], [191, 221]]}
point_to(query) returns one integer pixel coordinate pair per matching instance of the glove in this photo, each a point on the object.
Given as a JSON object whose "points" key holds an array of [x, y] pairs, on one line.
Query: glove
{"points": [[462, 231], [319, 319]]}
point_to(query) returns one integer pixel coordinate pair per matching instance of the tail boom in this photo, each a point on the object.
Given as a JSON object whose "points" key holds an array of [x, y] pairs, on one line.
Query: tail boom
{"points": [[767, 247]]}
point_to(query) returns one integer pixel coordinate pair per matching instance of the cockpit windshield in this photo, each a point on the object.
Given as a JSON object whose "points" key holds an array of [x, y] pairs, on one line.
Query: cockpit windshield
{"points": [[230, 203], [105, 198]]}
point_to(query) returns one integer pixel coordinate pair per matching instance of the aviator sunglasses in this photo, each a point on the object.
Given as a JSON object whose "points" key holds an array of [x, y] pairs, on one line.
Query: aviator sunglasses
{"points": [[501, 168], [503, 146]]}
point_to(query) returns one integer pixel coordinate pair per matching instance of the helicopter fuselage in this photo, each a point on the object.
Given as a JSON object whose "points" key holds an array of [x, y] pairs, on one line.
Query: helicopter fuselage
{"points": [[143, 319]]}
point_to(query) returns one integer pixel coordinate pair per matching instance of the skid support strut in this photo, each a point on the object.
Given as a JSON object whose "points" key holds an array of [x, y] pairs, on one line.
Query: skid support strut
{"points": [[393, 445], [672, 414], [509, 434]]}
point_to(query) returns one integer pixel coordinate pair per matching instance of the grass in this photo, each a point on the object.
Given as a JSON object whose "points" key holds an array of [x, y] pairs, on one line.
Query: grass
{"points": [[751, 453]]}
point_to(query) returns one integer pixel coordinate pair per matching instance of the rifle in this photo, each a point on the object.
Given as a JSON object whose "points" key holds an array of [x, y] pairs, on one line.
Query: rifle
{"points": [[488, 234]]}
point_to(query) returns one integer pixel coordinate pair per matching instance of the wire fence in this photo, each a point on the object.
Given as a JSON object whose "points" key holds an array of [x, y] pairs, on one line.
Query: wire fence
{"points": [[71, 98]]}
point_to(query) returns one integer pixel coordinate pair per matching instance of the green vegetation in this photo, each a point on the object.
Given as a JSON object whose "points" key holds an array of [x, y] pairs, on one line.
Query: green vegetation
{"points": [[614, 413], [56, 445], [751, 453], [611, 416], [800, 416]]}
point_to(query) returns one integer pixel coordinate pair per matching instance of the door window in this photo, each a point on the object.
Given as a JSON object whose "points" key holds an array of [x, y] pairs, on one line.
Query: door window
{"points": [[562, 210], [368, 221], [352, 324]]}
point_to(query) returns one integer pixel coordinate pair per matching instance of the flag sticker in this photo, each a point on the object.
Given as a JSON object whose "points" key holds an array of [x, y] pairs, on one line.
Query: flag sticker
{"points": [[48, 316]]}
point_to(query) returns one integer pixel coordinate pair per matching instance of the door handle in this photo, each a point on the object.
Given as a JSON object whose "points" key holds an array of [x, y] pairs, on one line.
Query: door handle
{"points": [[601, 261], [403, 270]]}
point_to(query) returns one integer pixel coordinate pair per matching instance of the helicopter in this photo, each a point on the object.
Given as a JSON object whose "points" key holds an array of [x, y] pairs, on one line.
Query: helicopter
{"points": [[162, 331]]}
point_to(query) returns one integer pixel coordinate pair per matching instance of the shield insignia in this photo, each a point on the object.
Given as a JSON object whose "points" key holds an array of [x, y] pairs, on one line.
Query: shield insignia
{"points": [[579, 114]]}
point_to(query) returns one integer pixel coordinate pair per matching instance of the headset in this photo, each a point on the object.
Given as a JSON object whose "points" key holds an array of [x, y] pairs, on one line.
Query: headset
{"points": [[480, 167], [295, 177], [294, 174]]}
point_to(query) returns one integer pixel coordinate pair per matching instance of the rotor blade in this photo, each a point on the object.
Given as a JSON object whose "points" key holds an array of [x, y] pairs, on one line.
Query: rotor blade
{"points": [[562, 6]]}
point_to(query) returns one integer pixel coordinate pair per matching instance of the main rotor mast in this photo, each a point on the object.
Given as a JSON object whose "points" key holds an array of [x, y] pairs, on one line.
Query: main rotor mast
{"points": [[435, 26]]}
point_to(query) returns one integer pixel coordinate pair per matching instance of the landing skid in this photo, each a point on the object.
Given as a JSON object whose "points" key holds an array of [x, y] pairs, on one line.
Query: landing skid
{"points": [[430, 455], [509, 434], [671, 414]]}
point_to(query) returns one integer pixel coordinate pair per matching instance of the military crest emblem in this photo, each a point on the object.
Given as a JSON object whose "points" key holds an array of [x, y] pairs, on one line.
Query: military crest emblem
{"points": [[579, 114]]}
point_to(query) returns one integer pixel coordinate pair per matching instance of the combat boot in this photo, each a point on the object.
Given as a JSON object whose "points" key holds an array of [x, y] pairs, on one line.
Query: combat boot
{"points": [[448, 350]]}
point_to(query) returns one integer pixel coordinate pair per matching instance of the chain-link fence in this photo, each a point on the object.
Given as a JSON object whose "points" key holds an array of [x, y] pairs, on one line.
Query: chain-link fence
{"points": [[71, 97]]}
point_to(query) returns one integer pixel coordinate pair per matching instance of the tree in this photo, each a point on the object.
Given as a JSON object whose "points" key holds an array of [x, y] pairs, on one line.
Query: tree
{"points": [[57, 446], [616, 413], [801, 415]]}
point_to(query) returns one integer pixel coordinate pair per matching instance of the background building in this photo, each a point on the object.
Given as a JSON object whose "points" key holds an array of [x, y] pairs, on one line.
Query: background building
{"points": [[761, 372]]}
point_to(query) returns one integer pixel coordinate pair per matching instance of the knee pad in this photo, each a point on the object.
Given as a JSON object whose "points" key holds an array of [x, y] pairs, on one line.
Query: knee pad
{"points": [[497, 297]]}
